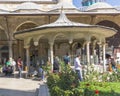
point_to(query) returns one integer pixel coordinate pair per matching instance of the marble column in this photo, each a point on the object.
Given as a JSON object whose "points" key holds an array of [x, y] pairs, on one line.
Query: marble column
{"points": [[36, 43], [70, 46], [51, 54], [104, 61], [88, 51], [83, 53], [27, 57], [99, 53], [93, 47], [10, 49]]}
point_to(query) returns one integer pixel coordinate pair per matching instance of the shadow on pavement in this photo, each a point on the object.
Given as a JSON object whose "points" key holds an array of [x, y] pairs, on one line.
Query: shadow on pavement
{"points": [[12, 92]]}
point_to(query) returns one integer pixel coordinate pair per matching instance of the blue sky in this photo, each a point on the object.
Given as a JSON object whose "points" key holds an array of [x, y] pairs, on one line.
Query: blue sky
{"points": [[77, 3]]}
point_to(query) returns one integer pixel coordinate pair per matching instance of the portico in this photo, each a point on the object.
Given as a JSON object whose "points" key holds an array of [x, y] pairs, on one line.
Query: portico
{"points": [[65, 31]]}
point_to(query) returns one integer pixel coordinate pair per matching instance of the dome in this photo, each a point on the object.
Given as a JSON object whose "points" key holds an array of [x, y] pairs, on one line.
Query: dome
{"points": [[66, 4], [99, 5], [28, 5]]}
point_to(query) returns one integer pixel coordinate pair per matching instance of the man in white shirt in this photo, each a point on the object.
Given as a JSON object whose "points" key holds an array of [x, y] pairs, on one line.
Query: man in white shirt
{"points": [[78, 67], [14, 65]]}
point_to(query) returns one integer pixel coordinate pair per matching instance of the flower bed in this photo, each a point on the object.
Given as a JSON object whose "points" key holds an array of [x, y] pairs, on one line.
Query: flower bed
{"points": [[101, 88], [59, 88], [66, 83]]}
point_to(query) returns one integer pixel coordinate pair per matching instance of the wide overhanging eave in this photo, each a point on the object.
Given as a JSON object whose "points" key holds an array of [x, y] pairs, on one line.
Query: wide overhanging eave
{"points": [[106, 31]]}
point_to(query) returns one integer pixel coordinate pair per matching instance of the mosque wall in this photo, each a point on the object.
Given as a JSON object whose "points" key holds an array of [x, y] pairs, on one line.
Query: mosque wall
{"points": [[23, 19], [14, 22]]}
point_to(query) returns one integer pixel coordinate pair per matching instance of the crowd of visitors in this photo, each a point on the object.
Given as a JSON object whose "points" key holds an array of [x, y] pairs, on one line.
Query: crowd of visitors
{"points": [[11, 66]]}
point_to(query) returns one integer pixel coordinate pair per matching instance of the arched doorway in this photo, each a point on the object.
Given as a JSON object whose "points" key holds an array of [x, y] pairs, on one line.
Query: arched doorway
{"points": [[114, 41], [20, 43], [4, 49]]}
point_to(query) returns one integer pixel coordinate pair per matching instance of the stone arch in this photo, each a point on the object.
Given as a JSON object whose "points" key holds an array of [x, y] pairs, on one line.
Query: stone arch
{"points": [[108, 24], [37, 38], [60, 35], [63, 49], [4, 53], [22, 26], [25, 25], [3, 34], [59, 45], [1, 28], [94, 37], [114, 40], [4, 37], [77, 46], [4, 49], [93, 44]]}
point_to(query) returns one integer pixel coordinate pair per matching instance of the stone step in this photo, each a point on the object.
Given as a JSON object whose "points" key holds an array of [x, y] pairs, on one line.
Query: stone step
{"points": [[16, 74], [43, 90]]}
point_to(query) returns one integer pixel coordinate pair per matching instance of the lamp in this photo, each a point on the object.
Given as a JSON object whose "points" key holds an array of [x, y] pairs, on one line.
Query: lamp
{"points": [[36, 43]]}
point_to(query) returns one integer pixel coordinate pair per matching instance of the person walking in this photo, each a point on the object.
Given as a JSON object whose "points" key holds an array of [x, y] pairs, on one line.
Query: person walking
{"points": [[41, 73], [56, 65], [113, 64], [20, 64], [78, 67], [66, 59]]}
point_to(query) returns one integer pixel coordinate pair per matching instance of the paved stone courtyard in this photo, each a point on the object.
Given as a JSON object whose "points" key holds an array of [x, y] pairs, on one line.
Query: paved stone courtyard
{"points": [[18, 87]]}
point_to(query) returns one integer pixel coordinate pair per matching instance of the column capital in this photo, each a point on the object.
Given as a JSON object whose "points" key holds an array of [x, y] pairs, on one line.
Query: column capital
{"points": [[27, 46], [51, 39], [95, 41], [51, 43], [104, 43], [70, 41], [99, 42], [87, 42]]}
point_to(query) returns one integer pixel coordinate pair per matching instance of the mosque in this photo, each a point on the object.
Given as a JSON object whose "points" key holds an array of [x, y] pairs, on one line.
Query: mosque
{"points": [[38, 30]]}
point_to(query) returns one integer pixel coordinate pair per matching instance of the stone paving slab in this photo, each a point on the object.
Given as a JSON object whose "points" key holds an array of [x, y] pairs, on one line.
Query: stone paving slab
{"points": [[18, 87]]}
